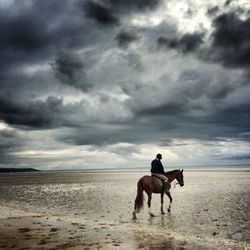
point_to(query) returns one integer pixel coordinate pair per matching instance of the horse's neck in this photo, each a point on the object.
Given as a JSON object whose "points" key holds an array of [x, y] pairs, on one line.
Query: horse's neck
{"points": [[171, 176]]}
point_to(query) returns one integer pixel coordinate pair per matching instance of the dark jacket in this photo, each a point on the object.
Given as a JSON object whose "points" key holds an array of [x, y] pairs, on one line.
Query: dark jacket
{"points": [[156, 167]]}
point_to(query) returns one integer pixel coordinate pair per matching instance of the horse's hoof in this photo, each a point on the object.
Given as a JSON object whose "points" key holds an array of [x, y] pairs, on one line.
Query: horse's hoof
{"points": [[151, 215], [162, 212], [169, 210], [134, 218]]}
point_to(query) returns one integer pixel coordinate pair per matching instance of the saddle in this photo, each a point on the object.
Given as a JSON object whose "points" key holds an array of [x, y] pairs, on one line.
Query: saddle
{"points": [[158, 180], [161, 182]]}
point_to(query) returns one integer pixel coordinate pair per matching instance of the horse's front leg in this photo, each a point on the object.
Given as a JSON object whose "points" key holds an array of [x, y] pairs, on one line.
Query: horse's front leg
{"points": [[162, 200], [170, 198]]}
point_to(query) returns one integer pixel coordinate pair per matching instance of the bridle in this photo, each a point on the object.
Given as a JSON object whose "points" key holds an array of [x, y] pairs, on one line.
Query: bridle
{"points": [[177, 183]]}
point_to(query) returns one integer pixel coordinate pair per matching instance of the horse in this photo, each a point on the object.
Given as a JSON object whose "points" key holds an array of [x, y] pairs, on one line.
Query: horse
{"points": [[150, 185]]}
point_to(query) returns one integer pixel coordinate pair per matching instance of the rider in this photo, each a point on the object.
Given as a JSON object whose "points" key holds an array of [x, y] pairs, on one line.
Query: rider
{"points": [[158, 170]]}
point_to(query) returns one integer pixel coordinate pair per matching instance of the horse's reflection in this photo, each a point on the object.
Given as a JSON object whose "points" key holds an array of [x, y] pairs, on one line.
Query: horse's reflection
{"points": [[161, 221]]}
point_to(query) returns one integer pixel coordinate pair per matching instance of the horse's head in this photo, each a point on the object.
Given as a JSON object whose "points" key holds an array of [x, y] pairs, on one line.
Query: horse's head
{"points": [[180, 178]]}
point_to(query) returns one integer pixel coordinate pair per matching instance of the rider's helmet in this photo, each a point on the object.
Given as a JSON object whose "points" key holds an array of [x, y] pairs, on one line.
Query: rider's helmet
{"points": [[159, 156]]}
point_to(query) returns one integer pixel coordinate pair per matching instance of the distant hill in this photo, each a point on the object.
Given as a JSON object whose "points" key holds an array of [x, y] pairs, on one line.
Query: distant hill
{"points": [[14, 170]]}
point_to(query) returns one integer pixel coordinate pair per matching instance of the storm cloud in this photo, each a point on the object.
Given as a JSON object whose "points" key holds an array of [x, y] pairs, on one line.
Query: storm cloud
{"points": [[231, 40], [100, 13], [70, 70], [33, 114], [119, 81], [125, 38], [186, 44]]}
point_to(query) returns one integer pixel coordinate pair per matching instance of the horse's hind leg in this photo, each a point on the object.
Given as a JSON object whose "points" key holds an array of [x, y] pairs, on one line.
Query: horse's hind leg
{"points": [[134, 215], [134, 212], [149, 204], [162, 199], [170, 198]]}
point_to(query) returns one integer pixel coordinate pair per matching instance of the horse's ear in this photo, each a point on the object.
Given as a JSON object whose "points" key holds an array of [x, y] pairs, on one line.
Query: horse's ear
{"points": [[182, 170]]}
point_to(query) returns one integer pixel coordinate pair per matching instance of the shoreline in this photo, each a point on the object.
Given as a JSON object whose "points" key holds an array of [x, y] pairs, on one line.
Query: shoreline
{"points": [[103, 171]]}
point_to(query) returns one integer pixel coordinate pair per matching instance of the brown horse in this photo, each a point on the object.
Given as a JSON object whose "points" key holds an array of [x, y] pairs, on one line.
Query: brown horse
{"points": [[150, 185]]}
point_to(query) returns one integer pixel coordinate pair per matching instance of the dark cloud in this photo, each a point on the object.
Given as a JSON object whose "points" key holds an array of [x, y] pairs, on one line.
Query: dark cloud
{"points": [[62, 76], [219, 91], [135, 5], [237, 117], [124, 38], [238, 157], [167, 109], [31, 36], [228, 2], [213, 11], [100, 13], [70, 70], [35, 32], [228, 122], [135, 131], [231, 40], [96, 134], [23, 35], [10, 142], [32, 114], [109, 12], [186, 44]]}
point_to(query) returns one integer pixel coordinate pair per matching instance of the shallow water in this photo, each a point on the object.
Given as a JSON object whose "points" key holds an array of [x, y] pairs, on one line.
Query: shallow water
{"points": [[211, 204]]}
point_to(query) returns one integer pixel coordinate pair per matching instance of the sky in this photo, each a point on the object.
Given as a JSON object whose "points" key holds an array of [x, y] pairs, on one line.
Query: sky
{"points": [[110, 83]]}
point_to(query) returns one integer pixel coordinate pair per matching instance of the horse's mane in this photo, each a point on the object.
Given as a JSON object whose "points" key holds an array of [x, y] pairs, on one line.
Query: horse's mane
{"points": [[172, 171]]}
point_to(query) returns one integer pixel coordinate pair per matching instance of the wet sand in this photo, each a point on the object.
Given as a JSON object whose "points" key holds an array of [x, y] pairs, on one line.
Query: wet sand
{"points": [[206, 214], [52, 231]]}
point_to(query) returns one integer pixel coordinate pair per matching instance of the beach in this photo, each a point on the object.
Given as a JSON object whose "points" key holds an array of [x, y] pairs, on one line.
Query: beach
{"points": [[94, 211]]}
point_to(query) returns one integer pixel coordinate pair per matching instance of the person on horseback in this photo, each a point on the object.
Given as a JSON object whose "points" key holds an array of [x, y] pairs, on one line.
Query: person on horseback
{"points": [[157, 170]]}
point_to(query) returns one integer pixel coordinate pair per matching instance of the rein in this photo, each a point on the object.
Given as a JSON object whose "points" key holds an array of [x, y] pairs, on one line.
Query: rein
{"points": [[175, 184]]}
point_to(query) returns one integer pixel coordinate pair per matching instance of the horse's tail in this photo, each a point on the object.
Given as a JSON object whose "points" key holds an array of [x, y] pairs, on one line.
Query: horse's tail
{"points": [[139, 197]]}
